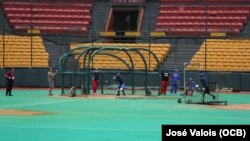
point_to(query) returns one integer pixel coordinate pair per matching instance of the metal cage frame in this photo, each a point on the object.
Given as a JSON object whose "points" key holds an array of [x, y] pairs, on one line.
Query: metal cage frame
{"points": [[89, 52]]}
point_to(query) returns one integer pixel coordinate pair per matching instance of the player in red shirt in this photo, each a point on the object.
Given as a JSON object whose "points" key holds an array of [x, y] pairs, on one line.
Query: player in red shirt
{"points": [[164, 82], [10, 80], [95, 80]]}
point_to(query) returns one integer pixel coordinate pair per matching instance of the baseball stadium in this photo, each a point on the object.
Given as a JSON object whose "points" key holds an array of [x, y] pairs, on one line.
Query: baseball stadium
{"points": [[74, 70]]}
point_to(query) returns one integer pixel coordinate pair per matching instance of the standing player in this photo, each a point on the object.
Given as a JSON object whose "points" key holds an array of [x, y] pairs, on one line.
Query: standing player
{"points": [[175, 82], [204, 84], [95, 80], [118, 78], [164, 82], [10, 80], [51, 80]]}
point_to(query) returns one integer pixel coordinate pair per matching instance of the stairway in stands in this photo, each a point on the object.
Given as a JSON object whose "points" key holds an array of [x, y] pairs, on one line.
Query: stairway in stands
{"points": [[246, 30], [182, 50], [4, 23], [100, 14], [55, 52], [150, 11]]}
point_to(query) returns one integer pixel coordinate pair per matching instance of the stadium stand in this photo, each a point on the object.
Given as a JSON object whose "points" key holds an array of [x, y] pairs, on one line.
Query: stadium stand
{"points": [[201, 20], [57, 17], [106, 62], [204, 1], [222, 55], [226, 1], [17, 51]]}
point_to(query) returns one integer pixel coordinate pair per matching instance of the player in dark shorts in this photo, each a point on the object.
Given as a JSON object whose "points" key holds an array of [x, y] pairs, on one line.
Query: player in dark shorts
{"points": [[204, 84], [10, 80]]}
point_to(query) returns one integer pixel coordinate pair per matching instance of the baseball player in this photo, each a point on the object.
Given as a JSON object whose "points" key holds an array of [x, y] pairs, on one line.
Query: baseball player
{"points": [[121, 86]]}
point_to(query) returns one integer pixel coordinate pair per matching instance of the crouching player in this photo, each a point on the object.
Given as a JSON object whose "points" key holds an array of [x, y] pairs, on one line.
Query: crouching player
{"points": [[190, 87]]}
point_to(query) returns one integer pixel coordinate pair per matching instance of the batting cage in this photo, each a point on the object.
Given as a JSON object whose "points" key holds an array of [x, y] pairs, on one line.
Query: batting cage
{"points": [[134, 66]]}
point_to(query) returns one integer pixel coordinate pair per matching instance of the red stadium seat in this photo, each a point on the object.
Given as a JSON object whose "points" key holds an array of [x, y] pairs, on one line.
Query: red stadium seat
{"points": [[192, 20], [49, 18]]}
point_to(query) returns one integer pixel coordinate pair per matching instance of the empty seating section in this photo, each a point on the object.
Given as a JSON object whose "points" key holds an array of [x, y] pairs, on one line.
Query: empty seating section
{"points": [[49, 17], [205, 1], [107, 62], [201, 20], [177, 1], [223, 55], [226, 1], [16, 51]]}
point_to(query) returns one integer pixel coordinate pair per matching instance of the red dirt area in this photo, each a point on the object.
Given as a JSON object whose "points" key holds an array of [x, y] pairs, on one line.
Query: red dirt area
{"points": [[107, 96], [233, 107], [20, 112], [92, 96]]}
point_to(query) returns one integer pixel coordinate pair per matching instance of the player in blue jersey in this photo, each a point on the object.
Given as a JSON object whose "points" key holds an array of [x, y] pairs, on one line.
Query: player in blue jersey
{"points": [[204, 85], [175, 82], [121, 86]]}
